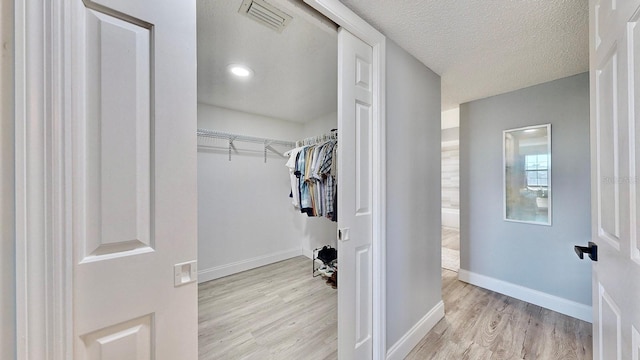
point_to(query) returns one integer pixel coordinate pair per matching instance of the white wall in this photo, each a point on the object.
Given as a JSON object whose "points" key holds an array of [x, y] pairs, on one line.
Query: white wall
{"points": [[450, 168], [7, 250], [451, 118], [413, 200], [534, 262], [450, 177], [245, 217]]}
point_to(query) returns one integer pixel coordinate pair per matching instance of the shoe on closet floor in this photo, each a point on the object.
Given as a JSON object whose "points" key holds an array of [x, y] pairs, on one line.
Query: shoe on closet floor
{"points": [[323, 270], [333, 280], [327, 274]]}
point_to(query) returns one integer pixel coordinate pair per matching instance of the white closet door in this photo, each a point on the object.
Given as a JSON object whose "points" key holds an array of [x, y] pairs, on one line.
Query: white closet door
{"points": [[615, 129], [355, 98], [133, 179]]}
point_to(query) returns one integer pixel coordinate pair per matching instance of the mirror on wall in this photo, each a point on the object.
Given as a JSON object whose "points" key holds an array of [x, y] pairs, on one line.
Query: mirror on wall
{"points": [[527, 174]]}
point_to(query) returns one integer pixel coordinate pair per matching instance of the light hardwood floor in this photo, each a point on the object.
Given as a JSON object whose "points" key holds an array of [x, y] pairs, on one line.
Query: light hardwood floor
{"points": [[482, 324], [451, 238], [450, 249], [278, 311]]}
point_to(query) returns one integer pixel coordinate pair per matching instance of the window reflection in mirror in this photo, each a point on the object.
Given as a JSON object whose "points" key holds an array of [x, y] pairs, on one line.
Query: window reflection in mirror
{"points": [[527, 174]]}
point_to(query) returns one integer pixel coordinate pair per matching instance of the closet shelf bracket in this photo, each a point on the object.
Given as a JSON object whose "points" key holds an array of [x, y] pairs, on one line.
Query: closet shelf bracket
{"points": [[231, 146]]}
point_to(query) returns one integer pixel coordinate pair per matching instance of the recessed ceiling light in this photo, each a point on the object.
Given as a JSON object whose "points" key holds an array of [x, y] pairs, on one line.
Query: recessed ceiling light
{"points": [[530, 130], [240, 70]]}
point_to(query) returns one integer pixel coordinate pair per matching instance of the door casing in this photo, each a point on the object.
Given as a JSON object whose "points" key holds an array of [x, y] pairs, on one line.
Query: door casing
{"points": [[44, 324]]}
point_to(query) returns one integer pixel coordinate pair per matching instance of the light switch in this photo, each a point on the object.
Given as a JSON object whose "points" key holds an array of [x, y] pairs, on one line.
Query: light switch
{"points": [[185, 273]]}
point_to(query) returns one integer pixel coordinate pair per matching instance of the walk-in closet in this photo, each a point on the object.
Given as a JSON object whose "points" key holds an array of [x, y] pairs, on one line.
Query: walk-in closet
{"points": [[267, 180]]}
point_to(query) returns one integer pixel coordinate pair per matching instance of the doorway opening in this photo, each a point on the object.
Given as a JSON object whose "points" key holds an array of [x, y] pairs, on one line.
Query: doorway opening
{"points": [[451, 190], [267, 87]]}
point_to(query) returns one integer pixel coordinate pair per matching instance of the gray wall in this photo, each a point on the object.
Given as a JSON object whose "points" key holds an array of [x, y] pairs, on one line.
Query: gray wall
{"points": [[534, 256], [413, 191], [7, 286]]}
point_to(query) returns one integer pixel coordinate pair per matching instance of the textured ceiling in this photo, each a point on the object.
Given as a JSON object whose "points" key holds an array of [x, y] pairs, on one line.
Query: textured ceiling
{"points": [[482, 48], [295, 71]]}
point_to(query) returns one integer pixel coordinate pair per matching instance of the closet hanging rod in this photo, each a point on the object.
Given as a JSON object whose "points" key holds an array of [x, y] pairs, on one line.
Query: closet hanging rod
{"points": [[313, 140], [243, 138]]}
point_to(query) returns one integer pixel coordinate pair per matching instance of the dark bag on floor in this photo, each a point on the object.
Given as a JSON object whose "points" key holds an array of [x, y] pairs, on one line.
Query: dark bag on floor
{"points": [[327, 254]]}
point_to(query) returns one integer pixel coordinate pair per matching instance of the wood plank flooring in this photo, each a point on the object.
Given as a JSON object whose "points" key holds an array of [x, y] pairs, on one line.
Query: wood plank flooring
{"points": [[482, 324], [451, 238], [450, 249], [278, 311]]}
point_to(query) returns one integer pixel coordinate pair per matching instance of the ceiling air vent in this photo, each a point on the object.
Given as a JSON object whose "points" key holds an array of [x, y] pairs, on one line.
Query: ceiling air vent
{"points": [[266, 14]]}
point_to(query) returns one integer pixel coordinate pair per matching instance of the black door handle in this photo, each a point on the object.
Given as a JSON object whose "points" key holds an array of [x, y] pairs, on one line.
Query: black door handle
{"points": [[591, 250]]}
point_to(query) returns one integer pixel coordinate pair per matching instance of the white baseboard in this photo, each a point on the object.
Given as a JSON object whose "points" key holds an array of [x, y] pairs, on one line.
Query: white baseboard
{"points": [[408, 341], [243, 265], [451, 218], [308, 253], [547, 301]]}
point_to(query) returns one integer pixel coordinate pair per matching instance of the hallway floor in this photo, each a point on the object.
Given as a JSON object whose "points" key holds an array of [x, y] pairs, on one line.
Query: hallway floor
{"points": [[450, 248], [482, 324]]}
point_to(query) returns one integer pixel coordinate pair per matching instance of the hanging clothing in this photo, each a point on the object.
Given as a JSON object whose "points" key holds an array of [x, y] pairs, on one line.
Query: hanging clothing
{"points": [[291, 164], [313, 181]]}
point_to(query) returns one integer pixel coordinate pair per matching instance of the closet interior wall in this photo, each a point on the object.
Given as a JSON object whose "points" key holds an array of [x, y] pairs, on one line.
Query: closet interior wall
{"points": [[245, 216]]}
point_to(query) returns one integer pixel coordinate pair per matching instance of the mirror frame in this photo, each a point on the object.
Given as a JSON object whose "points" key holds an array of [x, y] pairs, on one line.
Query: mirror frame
{"points": [[504, 175]]}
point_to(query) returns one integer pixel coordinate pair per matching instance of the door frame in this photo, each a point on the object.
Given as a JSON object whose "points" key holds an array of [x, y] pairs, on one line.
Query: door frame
{"points": [[44, 298], [347, 19], [44, 322]]}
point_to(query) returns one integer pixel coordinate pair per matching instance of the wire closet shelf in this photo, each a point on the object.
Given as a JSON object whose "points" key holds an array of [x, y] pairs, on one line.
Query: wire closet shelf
{"points": [[267, 143], [232, 138]]}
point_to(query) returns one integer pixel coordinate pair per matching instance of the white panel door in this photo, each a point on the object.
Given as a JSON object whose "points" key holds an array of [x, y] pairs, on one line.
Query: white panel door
{"points": [[615, 161], [355, 99], [132, 186]]}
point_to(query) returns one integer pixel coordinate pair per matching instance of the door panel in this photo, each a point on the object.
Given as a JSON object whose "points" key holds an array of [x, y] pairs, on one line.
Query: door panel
{"points": [[610, 326], [131, 340], [116, 146], [604, 18], [363, 164], [363, 302], [355, 116], [614, 119], [132, 181], [608, 159]]}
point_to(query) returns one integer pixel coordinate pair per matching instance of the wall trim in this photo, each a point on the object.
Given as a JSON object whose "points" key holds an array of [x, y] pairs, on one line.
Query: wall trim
{"points": [[450, 143], [244, 265], [347, 19], [411, 338], [547, 301], [44, 323]]}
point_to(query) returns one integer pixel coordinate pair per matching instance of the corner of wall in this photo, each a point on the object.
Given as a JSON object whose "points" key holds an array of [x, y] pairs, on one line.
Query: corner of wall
{"points": [[547, 301], [485, 236], [411, 338]]}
